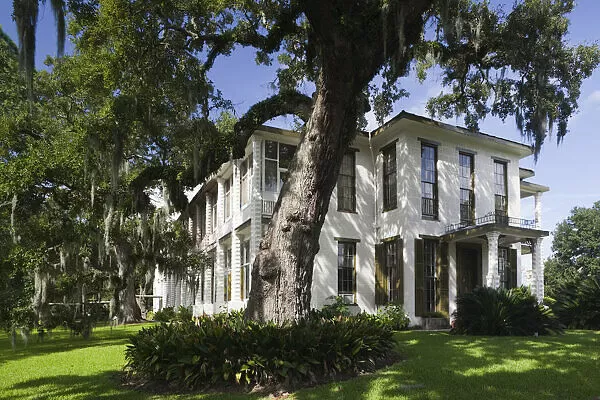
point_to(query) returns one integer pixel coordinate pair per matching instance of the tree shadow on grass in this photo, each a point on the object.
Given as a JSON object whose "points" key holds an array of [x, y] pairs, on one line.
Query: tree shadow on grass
{"points": [[59, 341], [104, 385], [459, 367]]}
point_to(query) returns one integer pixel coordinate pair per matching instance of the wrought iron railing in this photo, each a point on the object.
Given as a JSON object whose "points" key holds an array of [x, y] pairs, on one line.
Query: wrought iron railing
{"points": [[267, 207], [493, 218]]}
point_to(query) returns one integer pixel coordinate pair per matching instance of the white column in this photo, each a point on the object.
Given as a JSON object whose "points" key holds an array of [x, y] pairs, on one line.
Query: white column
{"points": [[256, 198], [219, 271], [452, 287], [537, 269], [492, 279], [538, 210], [220, 203]]}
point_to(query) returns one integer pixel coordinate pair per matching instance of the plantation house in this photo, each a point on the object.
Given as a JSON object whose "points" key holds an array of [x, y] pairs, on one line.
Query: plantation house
{"points": [[422, 212]]}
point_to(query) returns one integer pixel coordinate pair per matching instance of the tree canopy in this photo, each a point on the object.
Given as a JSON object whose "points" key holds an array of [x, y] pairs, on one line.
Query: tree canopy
{"points": [[576, 249]]}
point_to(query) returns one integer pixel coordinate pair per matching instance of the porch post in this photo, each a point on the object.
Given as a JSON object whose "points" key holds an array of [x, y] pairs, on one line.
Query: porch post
{"points": [[538, 210], [537, 269], [492, 279]]}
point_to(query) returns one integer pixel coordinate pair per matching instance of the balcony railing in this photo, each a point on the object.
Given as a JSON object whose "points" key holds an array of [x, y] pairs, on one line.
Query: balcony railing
{"points": [[267, 207], [493, 218]]}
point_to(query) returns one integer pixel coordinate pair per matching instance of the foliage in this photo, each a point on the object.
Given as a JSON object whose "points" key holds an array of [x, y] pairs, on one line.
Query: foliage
{"points": [[231, 350], [576, 250], [394, 316], [499, 312], [167, 314], [577, 306], [339, 308]]}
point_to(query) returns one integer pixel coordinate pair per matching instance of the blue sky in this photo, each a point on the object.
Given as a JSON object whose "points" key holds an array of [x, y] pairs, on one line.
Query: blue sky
{"points": [[572, 170]]}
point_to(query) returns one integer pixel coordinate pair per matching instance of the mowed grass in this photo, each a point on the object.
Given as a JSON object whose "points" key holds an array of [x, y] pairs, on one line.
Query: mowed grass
{"points": [[435, 366]]}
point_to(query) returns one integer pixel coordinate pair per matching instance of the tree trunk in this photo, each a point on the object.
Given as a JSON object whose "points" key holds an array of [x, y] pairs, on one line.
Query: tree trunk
{"points": [[40, 297], [124, 304], [282, 271]]}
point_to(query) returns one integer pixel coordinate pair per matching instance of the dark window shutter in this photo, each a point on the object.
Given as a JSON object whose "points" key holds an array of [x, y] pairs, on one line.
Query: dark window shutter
{"points": [[512, 259], [381, 282], [419, 277], [442, 273], [400, 269]]}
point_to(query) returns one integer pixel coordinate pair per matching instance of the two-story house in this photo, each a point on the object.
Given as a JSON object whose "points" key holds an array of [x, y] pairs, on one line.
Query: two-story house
{"points": [[423, 211]]}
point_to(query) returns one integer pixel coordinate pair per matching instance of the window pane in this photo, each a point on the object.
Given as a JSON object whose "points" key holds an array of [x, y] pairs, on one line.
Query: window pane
{"points": [[271, 149], [270, 176], [286, 152], [346, 262]]}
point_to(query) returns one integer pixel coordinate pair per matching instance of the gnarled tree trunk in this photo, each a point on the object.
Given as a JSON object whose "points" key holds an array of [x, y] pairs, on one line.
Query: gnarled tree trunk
{"points": [[124, 305]]}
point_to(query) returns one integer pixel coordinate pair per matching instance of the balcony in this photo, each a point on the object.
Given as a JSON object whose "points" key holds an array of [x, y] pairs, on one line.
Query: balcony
{"points": [[498, 218]]}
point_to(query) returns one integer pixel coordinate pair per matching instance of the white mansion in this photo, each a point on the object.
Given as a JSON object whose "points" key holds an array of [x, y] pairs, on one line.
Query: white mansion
{"points": [[422, 212]]}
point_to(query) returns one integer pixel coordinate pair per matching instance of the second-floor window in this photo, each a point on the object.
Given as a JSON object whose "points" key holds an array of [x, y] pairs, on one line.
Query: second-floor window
{"points": [[390, 196], [213, 212], [346, 184], [227, 205], [245, 176], [467, 188], [346, 269], [500, 189], [277, 161], [429, 189]]}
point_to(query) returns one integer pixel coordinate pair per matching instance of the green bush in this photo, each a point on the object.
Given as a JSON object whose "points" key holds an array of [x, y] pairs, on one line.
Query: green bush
{"points": [[184, 314], [339, 308], [577, 306], [515, 312], [225, 349], [393, 315], [167, 314]]}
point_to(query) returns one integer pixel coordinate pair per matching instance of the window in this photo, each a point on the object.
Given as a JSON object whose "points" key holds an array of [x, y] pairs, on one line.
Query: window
{"points": [[277, 161], [245, 271], [213, 281], [227, 276], [393, 252], [245, 176], [429, 196], [500, 191], [227, 205], [213, 212], [346, 184], [467, 188], [429, 258], [389, 272], [503, 267], [390, 197], [346, 272]]}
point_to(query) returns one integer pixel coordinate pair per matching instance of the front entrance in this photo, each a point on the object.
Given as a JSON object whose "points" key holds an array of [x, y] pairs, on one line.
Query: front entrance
{"points": [[468, 267]]}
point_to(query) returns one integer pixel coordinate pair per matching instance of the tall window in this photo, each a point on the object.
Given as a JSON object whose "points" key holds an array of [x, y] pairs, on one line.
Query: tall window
{"points": [[503, 267], [227, 276], [277, 161], [227, 210], [245, 175], [393, 252], [213, 281], [429, 196], [429, 289], [245, 270], [467, 188], [346, 184], [213, 212], [390, 196], [346, 271], [500, 189]]}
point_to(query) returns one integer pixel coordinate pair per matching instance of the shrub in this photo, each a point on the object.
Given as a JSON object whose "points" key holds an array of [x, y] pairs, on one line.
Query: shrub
{"points": [[393, 315], [577, 306], [167, 314], [339, 308], [184, 314], [227, 349], [515, 312]]}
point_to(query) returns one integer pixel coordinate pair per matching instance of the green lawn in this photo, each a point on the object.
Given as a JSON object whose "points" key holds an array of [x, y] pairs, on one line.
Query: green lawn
{"points": [[436, 366]]}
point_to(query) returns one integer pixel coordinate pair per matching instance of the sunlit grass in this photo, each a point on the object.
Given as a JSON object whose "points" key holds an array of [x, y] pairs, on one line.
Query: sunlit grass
{"points": [[434, 366]]}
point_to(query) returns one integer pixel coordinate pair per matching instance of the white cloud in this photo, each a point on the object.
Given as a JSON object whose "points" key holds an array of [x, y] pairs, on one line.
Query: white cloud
{"points": [[594, 98]]}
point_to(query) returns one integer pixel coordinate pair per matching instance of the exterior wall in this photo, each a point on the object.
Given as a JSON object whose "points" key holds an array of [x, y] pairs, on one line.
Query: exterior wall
{"points": [[368, 226]]}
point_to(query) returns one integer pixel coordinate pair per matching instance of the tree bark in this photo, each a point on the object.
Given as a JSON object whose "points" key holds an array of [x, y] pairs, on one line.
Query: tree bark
{"points": [[349, 58], [124, 305]]}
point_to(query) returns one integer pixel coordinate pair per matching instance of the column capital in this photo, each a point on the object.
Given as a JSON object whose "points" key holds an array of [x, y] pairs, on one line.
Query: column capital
{"points": [[492, 236]]}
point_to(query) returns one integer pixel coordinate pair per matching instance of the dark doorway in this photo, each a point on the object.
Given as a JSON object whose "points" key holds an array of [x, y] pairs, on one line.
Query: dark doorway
{"points": [[468, 267]]}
